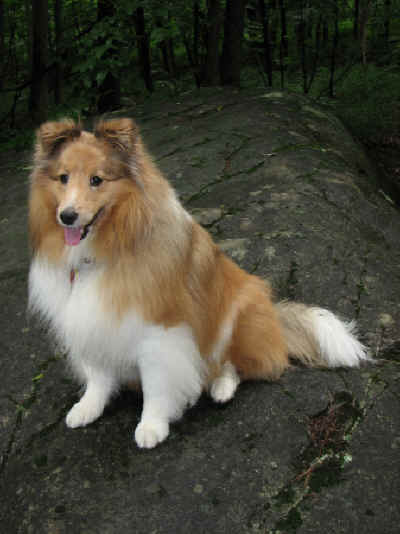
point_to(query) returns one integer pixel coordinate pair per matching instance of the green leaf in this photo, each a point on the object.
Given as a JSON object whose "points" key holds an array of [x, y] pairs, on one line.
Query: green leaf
{"points": [[100, 50], [158, 35], [100, 77], [37, 377]]}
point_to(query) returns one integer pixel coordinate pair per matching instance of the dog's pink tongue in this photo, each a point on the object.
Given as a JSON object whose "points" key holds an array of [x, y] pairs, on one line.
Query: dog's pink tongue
{"points": [[72, 236]]}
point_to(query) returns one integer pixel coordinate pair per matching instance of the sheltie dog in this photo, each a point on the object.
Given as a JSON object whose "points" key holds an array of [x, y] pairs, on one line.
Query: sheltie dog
{"points": [[135, 291]]}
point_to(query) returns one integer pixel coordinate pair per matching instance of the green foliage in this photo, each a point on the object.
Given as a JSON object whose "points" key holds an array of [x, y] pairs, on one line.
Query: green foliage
{"points": [[367, 97], [16, 139], [96, 54], [368, 101]]}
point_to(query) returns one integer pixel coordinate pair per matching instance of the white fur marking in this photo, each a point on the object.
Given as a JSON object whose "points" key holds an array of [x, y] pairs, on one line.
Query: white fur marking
{"points": [[172, 375], [105, 353], [84, 412], [149, 433], [70, 202], [225, 334], [98, 391], [224, 386], [98, 346], [337, 341]]}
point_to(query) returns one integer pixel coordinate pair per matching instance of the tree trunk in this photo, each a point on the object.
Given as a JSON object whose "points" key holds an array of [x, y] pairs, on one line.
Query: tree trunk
{"points": [[363, 21], [196, 32], [318, 32], [387, 15], [194, 57], [274, 25], [171, 58], [284, 37], [232, 46], [325, 32], [356, 18], [334, 49], [169, 45], [109, 91], [263, 7], [317, 52], [2, 45], [301, 36], [39, 97], [59, 76], [29, 39], [211, 69], [281, 66], [167, 51], [143, 48]]}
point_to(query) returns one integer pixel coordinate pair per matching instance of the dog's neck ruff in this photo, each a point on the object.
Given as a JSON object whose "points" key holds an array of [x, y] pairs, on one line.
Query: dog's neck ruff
{"points": [[74, 271]]}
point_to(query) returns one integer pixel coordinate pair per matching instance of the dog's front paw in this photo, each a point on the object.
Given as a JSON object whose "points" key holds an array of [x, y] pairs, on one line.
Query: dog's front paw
{"points": [[150, 433], [83, 413]]}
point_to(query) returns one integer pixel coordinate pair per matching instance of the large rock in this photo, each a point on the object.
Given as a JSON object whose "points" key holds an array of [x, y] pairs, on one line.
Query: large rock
{"points": [[286, 191]]}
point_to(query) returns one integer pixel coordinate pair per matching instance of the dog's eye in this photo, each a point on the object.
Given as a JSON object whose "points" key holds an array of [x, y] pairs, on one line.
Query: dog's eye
{"points": [[64, 178], [95, 181]]}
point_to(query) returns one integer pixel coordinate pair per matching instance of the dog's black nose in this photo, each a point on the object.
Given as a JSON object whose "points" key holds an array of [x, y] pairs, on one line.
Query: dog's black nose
{"points": [[68, 216]]}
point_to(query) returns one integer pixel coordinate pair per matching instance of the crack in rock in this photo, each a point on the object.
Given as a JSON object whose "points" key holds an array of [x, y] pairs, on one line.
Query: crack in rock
{"points": [[23, 407]]}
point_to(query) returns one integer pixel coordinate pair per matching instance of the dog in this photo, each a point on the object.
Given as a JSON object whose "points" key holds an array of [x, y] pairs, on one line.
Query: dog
{"points": [[135, 291]]}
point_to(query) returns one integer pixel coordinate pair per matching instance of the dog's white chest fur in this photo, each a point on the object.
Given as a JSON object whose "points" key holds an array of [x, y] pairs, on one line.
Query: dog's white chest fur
{"points": [[70, 300], [105, 353]]}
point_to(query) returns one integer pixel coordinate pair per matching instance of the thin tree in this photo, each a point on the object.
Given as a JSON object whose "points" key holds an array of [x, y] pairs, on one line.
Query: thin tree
{"points": [[195, 57], [363, 21], [29, 37], [59, 76], [196, 32], [232, 45], [2, 43], [317, 51], [109, 91], [214, 21], [274, 24], [334, 48], [284, 35], [39, 97], [301, 38], [386, 23], [325, 32], [283, 47], [167, 49], [192, 45], [143, 48], [356, 18], [264, 8]]}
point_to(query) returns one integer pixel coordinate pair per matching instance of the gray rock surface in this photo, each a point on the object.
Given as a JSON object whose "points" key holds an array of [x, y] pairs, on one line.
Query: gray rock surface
{"points": [[286, 191]]}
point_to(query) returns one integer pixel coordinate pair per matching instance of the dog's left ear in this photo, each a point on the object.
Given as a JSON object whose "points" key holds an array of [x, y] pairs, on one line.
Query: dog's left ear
{"points": [[122, 134], [52, 135]]}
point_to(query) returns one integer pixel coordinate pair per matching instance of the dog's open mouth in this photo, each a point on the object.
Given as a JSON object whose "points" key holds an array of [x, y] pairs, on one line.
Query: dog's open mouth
{"points": [[73, 236]]}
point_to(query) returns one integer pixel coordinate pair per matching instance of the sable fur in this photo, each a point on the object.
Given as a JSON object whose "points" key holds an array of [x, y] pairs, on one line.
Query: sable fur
{"points": [[147, 263]]}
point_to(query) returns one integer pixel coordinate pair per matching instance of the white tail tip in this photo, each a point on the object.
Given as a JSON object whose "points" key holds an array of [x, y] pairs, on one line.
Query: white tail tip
{"points": [[338, 344]]}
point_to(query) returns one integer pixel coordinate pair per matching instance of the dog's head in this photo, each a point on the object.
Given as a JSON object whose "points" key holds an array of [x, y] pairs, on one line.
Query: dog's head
{"points": [[84, 175]]}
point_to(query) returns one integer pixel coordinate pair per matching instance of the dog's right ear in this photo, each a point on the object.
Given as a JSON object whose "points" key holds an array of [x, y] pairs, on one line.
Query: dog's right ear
{"points": [[121, 134], [51, 135]]}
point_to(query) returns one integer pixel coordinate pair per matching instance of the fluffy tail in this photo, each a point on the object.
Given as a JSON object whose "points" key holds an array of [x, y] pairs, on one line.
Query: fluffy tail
{"points": [[316, 337]]}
